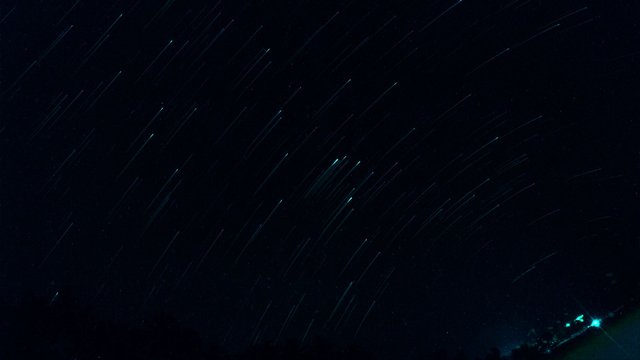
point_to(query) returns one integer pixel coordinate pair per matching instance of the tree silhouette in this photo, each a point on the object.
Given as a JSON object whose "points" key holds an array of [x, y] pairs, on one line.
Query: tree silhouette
{"points": [[62, 329], [494, 354], [526, 352]]}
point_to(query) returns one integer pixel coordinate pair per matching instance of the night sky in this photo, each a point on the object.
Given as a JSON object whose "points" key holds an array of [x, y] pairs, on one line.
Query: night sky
{"points": [[404, 175]]}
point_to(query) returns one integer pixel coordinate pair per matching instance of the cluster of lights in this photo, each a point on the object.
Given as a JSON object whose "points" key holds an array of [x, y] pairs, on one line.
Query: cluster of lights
{"points": [[579, 323], [595, 322]]}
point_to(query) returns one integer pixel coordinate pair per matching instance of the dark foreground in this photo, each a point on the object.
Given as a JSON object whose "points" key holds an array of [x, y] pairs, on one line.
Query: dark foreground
{"points": [[62, 329]]}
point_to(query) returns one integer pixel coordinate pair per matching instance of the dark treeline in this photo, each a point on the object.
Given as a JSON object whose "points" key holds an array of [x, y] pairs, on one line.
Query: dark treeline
{"points": [[60, 328]]}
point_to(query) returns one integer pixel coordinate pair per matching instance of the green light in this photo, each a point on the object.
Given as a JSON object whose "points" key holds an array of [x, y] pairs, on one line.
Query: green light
{"points": [[595, 323], [580, 318], [567, 325]]}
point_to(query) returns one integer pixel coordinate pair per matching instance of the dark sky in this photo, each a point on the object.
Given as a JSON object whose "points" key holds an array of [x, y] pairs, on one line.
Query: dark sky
{"points": [[406, 175]]}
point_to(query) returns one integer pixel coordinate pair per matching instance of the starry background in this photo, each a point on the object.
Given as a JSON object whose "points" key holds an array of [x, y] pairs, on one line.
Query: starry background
{"points": [[406, 175]]}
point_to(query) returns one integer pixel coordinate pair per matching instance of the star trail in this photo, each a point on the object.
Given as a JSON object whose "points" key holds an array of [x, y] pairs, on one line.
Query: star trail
{"points": [[405, 176]]}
